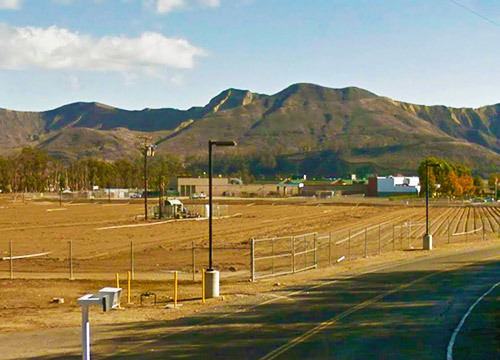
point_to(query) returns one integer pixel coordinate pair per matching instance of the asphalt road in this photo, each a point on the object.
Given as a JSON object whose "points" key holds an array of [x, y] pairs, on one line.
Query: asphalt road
{"points": [[403, 311]]}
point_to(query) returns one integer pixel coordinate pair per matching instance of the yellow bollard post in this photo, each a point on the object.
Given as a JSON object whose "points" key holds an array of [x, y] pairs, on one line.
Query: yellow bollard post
{"points": [[117, 277], [175, 288], [203, 286], [129, 278]]}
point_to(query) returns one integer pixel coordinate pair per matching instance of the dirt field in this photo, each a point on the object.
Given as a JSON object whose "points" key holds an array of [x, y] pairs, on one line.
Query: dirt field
{"points": [[101, 235]]}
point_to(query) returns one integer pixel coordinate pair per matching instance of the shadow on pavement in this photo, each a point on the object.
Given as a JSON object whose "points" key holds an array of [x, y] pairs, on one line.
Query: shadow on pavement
{"points": [[410, 321]]}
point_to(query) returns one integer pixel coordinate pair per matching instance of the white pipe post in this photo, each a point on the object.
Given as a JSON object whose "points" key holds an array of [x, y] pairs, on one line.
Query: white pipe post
{"points": [[85, 333], [293, 253]]}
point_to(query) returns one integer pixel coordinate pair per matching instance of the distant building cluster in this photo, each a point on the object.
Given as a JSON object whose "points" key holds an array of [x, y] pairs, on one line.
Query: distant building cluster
{"points": [[299, 186], [197, 188], [393, 185]]}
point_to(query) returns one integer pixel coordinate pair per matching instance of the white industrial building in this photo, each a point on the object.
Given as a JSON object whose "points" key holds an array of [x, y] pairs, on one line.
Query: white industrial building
{"points": [[393, 185]]}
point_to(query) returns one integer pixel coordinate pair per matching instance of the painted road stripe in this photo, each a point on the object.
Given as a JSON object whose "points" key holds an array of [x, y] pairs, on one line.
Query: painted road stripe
{"points": [[301, 338], [272, 300], [269, 301], [449, 354]]}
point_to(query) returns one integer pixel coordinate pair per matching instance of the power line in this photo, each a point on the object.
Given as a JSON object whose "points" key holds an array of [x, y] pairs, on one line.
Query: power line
{"points": [[474, 12]]}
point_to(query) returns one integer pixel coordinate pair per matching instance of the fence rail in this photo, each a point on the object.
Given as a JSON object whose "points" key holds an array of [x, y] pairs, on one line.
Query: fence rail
{"points": [[257, 258], [273, 257], [302, 251]]}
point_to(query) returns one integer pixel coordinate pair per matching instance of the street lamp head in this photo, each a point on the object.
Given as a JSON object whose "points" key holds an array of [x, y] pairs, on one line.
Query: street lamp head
{"points": [[221, 142]]}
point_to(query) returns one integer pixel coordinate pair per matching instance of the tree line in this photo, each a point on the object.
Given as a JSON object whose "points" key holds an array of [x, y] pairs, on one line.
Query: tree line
{"points": [[33, 170], [447, 179]]}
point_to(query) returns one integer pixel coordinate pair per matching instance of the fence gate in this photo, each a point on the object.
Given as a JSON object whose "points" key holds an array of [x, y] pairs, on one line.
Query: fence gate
{"points": [[283, 255]]}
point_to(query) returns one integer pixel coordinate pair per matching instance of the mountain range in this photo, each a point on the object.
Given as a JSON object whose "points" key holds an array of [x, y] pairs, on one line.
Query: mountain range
{"points": [[304, 122]]}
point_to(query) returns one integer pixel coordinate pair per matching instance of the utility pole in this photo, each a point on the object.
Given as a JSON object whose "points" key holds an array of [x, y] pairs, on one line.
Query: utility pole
{"points": [[496, 188], [148, 149], [427, 236], [160, 196]]}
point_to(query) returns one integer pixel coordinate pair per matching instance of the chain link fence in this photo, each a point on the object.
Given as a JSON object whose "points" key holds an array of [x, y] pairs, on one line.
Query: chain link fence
{"points": [[255, 258]]}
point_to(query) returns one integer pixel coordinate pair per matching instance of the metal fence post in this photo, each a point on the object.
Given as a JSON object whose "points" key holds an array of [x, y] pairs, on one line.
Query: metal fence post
{"points": [[449, 233], [379, 236], [70, 245], [193, 259], [316, 250], [393, 237], [11, 263], [409, 234], [349, 246], [366, 242], [305, 252], [293, 254], [132, 260], [252, 259], [330, 248], [401, 236], [484, 230], [272, 253]]}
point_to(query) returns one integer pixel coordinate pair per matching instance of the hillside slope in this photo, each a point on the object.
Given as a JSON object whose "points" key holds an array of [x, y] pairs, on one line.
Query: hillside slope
{"points": [[302, 122]]}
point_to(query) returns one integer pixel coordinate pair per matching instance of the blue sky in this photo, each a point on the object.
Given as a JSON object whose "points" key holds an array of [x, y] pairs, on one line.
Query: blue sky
{"points": [[180, 53]]}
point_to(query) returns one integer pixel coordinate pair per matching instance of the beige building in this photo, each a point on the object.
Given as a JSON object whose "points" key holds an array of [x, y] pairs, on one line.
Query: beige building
{"points": [[221, 187], [189, 186]]}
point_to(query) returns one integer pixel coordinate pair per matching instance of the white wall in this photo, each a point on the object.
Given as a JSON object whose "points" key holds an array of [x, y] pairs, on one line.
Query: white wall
{"points": [[398, 184]]}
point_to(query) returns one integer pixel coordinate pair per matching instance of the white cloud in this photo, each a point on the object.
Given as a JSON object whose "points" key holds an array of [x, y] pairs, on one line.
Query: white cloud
{"points": [[10, 4], [58, 48], [167, 6], [177, 80], [210, 3], [73, 83]]}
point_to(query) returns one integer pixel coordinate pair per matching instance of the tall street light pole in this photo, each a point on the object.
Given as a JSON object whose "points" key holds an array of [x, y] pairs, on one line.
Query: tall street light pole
{"points": [[212, 276], [148, 149], [427, 236]]}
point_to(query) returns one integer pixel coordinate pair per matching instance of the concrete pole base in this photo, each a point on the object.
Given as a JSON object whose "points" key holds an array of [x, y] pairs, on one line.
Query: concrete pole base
{"points": [[427, 242], [211, 284]]}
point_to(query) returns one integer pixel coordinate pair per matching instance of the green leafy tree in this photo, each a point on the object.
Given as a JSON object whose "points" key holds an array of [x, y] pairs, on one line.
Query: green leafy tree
{"points": [[453, 179]]}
